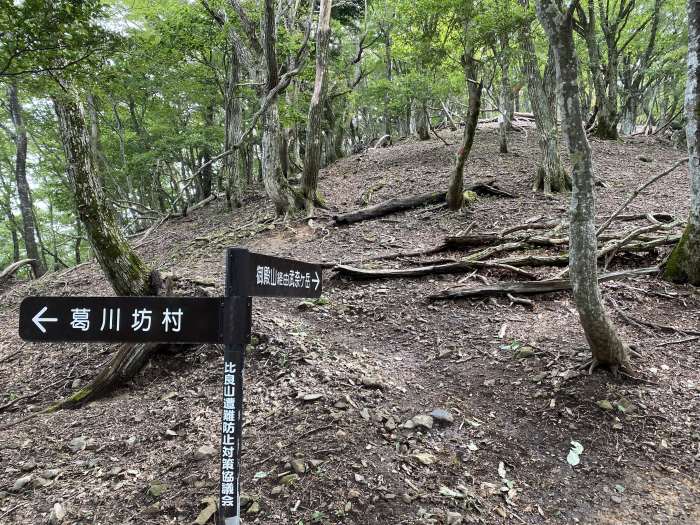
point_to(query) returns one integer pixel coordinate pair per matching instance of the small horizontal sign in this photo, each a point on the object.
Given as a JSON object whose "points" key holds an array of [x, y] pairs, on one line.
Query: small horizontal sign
{"points": [[259, 275], [122, 319]]}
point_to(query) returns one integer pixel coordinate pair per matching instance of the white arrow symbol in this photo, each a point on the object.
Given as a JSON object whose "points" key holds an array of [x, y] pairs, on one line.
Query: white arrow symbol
{"points": [[37, 319], [317, 280]]}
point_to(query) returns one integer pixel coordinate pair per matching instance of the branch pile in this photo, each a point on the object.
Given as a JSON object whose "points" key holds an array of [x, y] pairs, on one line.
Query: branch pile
{"points": [[490, 249]]}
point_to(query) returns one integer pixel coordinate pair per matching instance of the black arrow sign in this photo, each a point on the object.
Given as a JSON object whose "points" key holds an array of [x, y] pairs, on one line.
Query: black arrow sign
{"points": [[122, 319], [258, 275]]}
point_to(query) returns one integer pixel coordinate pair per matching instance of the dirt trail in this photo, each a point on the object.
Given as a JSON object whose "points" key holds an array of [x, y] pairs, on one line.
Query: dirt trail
{"points": [[379, 354]]}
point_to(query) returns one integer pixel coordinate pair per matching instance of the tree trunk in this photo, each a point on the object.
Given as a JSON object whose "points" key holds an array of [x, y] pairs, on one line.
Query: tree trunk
{"points": [[505, 101], [684, 263], [23, 189], [455, 192], [606, 346], [124, 269], [551, 175], [422, 120], [206, 175], [312, 151], [275, 184]]}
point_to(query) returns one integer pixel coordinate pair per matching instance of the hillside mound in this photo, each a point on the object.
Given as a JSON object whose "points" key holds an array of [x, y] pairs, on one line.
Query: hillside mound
{"points": [[501, 379]]}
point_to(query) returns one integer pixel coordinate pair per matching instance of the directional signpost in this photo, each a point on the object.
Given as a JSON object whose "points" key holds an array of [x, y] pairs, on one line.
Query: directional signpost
{"points": [[224, 320]]}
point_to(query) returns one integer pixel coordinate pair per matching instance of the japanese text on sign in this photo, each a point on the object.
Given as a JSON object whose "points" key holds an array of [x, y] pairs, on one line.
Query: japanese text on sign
{"points": [[228, 429], [270, 276], [142, 319]]}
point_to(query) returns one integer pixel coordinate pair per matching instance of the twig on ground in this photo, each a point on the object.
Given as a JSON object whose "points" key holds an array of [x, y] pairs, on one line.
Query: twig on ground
{"points": [[637, 192]]}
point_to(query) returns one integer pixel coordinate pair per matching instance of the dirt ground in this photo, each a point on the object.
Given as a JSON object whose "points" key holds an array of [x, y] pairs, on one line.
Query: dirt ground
{"points": [[378, 353]]}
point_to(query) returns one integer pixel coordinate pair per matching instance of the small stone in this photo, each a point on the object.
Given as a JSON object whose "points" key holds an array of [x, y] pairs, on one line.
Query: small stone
{"points": [[49, 473], [340, 405], [390, 424], [298, 466], [406, 499], [447, 352], [454, 518], [316, 462], [39, 482], [604, 404], [170, 434], [77, 444], [353, 494], [359, 478], [389, 496], [442, 416], [341, 434], [364, 414], [288, 479], [75, 383], [204, 452], [131, 441], [28, 465], [490, 382], [21, 483], [616, 498], [409, 424], [313, 396], [157, 488], [372, 382], [58, 513], [254, 508], [276, 490], [423, 421]]}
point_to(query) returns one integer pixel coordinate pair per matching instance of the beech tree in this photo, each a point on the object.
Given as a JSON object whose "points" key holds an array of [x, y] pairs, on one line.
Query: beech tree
{"points": [[551, 175], [124, 269], [312, 155], [605, 344], [19, 135], [683, 264]]}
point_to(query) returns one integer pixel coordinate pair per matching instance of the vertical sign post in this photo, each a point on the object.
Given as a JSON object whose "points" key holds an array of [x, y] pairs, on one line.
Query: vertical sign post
{"points": [[237, 325], [224, 320]]}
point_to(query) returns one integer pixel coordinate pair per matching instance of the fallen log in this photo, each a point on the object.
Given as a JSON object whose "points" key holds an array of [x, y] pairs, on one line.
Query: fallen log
{"points": [[13, 268], [415, 201], [531, 287], [434, 269]]}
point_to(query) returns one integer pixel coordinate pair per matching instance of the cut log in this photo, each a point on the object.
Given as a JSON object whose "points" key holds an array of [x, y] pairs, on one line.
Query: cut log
{"points": [[530, 287], [415, 201], [13, 268]]}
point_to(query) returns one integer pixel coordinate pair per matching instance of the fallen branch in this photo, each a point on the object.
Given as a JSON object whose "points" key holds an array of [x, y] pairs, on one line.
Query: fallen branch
{"points": [[637, 192], [415, 201], [11, 269], [388, 207], [530, 287], [435, 269]]}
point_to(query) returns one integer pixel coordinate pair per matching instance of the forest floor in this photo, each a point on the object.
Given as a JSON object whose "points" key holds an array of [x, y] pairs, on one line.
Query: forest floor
{"points": [[377, 353]]}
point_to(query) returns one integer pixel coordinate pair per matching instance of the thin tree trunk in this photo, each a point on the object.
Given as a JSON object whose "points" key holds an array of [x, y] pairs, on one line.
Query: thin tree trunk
{"points": [[550, 175], [684, 263], [312, 153], [124, 269], [232, 130], [455, 192], [23, 189], [606, 346], [422, 120], [275, 184]]}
